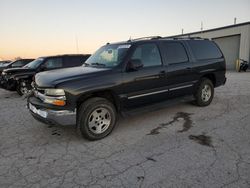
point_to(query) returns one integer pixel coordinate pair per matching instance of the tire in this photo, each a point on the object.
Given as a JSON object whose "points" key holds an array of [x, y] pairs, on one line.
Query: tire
{"points": [[91, 118], [18, 90], [22, 90], [204, 93]]}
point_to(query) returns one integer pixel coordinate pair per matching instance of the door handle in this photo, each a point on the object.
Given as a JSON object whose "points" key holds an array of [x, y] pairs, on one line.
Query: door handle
{"points": [[162, 74]]}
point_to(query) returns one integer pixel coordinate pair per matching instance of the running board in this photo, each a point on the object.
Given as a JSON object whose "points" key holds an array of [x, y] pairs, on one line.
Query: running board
{"points": [[156, 106]]}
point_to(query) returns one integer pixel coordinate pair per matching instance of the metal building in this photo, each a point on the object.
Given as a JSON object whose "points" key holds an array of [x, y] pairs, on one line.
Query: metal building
{"points": [[234, 41]]}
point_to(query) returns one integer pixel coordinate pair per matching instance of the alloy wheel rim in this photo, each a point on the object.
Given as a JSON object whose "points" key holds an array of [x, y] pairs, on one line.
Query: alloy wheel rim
{"points": [[24, 90], [206, 93], [99, 120]]}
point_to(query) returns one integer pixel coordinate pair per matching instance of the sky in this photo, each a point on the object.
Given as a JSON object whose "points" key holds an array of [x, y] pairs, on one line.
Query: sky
{"points": [[33, 28]]}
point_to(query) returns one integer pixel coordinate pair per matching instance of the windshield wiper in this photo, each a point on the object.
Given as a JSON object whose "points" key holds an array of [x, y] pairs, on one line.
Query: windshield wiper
{"points": [[86, 64], [98, 64]]}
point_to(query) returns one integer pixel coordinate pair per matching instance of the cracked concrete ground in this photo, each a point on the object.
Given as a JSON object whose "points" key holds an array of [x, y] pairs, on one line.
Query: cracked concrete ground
{"points": [[179, 146]]}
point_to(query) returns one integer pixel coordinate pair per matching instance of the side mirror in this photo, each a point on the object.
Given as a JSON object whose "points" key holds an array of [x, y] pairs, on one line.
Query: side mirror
{"points": [[134, 65], [43, 67]]}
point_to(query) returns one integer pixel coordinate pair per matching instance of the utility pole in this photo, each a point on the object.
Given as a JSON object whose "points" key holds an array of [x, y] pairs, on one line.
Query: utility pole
{"points": [[201, 26], [182, 31], [235, 20]]}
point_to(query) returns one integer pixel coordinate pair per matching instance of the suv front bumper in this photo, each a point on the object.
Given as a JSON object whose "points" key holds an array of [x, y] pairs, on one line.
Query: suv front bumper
{"points": [[49, 116]]}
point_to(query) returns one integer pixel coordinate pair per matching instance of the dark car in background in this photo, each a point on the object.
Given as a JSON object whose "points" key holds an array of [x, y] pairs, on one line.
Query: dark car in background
{"points": [[20, 79], [125, 76], [4, 63], [15, 64]]}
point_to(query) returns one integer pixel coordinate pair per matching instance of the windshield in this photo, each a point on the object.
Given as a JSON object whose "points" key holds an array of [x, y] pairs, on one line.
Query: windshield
{"points": [[108, 56], [5, 63], [34, 64]]}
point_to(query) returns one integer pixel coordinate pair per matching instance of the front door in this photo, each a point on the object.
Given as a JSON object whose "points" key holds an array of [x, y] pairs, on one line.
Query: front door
{"points": [[147, 84]]}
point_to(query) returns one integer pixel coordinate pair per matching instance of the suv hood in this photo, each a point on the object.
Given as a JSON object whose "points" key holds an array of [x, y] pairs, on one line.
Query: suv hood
{"points": [[54, 77]]}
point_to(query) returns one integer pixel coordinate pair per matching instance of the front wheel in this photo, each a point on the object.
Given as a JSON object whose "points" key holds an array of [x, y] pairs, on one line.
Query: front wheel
{"points": [[204, 93], [96, 118], [22, 88]]}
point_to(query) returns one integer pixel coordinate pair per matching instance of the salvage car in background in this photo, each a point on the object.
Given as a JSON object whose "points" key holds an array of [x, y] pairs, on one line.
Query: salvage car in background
{"points": [[15, 64], [4, 63], [20, 79]]}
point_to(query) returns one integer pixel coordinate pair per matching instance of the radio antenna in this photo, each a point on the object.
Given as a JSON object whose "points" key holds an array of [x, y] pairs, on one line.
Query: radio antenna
{"points": [[77, 48]]}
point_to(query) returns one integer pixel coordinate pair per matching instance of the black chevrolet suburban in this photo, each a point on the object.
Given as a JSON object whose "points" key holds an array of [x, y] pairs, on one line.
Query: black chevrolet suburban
{"points": [[20, 79], [124, 76]]}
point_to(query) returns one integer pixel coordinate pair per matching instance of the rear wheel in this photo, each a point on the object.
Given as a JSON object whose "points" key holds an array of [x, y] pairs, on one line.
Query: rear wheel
{"points": [[96, 118], [204, 93]]}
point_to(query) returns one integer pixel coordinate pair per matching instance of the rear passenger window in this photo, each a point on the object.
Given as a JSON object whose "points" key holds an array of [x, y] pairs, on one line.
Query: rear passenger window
{"points": [[204, 49], [175, 53], [148, 54], [73, 61]]}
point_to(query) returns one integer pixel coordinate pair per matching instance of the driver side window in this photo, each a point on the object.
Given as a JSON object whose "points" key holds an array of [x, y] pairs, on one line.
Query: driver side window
{"points": [[53, 63], [148, 54]]}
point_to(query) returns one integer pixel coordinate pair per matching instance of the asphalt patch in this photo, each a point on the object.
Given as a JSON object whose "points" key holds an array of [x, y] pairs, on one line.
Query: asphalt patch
{"points": [[151, 159], [55, 133], [202, 139], [186, 125], [139, 178]]}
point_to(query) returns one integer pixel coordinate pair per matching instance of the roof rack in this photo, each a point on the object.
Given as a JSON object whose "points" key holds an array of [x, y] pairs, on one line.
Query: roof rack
{"points": [[145, 38], [184, 38]]}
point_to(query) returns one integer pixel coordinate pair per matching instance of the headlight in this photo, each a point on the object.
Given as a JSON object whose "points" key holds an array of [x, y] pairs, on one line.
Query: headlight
{"points": [[54, 96], [54, 92], [3, 73]]}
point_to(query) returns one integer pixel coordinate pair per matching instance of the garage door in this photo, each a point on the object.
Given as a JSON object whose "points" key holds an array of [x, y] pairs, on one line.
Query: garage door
{"points": [[230, 47]]}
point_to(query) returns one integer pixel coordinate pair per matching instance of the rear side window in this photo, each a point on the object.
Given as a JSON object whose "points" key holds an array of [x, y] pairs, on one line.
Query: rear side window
{"points": [[53, 63], [204, 49], [73, 61], [174, 52], [148, 54]]}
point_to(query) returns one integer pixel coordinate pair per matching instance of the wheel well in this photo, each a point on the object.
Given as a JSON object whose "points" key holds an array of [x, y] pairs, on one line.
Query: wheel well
{"points": [[211, 77], [109, 95]]}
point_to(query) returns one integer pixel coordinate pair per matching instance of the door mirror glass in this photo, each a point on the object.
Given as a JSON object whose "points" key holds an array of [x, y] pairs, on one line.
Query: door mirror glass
{"points": [[134, 65]]}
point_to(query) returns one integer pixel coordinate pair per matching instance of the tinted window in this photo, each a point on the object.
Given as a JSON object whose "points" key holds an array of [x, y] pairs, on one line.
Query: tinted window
{"points": [[204, 49], [148, 54], [53, 63], [18, 63], [73, 61], [175, 53]]}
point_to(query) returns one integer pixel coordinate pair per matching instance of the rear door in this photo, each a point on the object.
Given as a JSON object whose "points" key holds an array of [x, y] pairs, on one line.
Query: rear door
{"points": [[145, 85], [180, 76]]}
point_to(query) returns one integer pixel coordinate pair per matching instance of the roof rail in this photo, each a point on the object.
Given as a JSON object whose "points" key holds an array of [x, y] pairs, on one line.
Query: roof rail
{"points": [[184, 38], [145, 38]]}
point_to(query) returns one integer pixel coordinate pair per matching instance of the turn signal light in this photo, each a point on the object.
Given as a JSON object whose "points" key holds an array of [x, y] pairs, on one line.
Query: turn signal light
{"points": [[59, 102]]}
